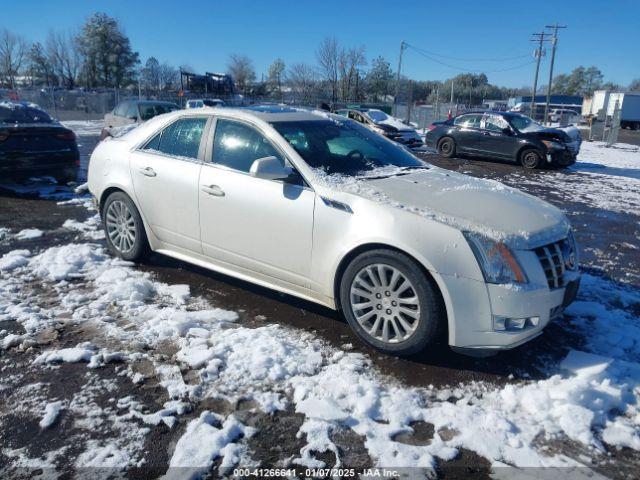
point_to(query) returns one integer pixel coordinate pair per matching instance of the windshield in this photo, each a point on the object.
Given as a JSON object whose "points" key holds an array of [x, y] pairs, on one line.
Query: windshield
{"points": [[377, 115], [523, 123], [150, 110], [343, 147], [17, 113]]}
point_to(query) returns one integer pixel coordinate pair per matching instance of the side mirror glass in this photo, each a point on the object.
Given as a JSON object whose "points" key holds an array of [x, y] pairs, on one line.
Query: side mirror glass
{"points": [[269, 168]]}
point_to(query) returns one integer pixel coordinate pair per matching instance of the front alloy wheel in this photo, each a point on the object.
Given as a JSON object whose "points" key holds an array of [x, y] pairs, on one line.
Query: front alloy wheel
{"points": [[390, 302], [385, 303]]}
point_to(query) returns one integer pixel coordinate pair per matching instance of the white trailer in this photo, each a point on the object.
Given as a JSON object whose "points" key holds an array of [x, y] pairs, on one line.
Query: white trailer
{"points": [[629, 104]]}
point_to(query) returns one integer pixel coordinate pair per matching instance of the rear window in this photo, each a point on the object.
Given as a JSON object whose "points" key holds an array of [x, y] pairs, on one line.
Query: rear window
{"points": [[10, 113]]}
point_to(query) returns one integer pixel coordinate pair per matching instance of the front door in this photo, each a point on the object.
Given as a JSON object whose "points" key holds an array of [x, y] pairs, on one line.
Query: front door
{"points": [[265, 226], [496, 142], [165, 174]]}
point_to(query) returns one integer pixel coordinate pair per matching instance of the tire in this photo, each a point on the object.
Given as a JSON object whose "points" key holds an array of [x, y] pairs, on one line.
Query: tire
{"points": [[406, 334], [124, 228], [530, 158], [447, 147]]}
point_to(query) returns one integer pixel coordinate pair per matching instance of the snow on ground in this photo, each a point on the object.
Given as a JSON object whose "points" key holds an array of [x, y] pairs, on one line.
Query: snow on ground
{"points": [[603, 177], [85, 127], [591, 397]]}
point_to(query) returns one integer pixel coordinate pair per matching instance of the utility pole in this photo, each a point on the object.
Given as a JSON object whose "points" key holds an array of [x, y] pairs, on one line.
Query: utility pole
{"points": [[540, 41], [554, 44], [403, 45]]}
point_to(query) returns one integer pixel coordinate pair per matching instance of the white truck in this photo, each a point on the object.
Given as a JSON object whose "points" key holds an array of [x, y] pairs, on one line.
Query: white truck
{"points": [[629, 104]]}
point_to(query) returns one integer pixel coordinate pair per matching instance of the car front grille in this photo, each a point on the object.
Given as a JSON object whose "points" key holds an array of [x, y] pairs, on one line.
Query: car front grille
{"points": [[556, 258]]}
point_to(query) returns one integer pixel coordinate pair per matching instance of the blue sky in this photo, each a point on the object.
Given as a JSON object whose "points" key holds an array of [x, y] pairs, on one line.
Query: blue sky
{"points": [[204, 33]]}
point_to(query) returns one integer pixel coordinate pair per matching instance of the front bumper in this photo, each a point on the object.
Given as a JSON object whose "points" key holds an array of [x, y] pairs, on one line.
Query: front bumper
{"points": [[486, 317], [565, 156]]}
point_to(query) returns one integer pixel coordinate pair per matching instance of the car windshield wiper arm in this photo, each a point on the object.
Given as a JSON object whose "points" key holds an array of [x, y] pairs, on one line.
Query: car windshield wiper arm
{"points": [[403, 171]]}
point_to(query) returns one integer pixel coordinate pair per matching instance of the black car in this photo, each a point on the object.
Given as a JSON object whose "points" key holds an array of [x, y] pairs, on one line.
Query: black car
{"points": [[505, 136], [33, 144]]}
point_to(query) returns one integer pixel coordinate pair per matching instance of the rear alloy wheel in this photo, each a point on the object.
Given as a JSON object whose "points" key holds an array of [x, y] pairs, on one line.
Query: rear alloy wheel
{"points": [[447, 147], [390, 303], [123, 227], [530, 159]]}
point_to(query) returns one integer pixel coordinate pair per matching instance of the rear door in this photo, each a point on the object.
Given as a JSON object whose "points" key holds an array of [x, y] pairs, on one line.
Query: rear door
{"points": [[468, 134], [165, 172]]}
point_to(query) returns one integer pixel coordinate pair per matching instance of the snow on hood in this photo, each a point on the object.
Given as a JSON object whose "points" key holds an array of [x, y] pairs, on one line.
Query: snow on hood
{"points": [[484, 206], [394, 122]]}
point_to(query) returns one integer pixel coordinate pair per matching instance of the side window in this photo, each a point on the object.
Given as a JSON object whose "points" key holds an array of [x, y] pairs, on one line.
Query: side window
{"points": [[180, 139], [132, 111], [495, 123], [468, 121], [461, 120], [237, 145], [121, 109]]}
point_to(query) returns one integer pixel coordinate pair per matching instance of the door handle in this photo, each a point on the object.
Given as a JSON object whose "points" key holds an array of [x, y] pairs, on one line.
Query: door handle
{"points": [[214, 190], [148, 172], [486, 134]]}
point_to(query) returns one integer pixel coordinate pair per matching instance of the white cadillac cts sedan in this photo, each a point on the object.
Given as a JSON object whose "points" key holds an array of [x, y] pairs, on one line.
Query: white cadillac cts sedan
{"points": [[317, 206]]}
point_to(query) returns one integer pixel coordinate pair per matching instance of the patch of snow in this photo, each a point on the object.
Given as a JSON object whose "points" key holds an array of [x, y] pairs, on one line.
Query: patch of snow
{"points": [[51, 412], [14, 259], [29, 233], [207, 438], [85, 127]]}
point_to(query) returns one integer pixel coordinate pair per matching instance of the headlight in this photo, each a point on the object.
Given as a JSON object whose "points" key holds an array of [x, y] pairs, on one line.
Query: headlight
{"points": [[553, 145], [496, 261], [379, 130]]}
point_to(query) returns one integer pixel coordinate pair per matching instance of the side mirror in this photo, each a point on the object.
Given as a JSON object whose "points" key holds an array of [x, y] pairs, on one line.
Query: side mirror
{"points": [[269, 168], [507, 131]]}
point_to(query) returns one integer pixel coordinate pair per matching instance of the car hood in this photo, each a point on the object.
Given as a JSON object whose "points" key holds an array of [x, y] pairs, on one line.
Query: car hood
{"points": [[397, 124], [484, 206]]}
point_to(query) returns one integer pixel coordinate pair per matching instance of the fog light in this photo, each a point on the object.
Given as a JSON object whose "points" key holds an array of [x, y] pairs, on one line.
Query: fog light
{"points": [[506, 324]]}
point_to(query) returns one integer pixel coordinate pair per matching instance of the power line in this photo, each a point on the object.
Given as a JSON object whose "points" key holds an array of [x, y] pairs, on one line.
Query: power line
{"points": [[514, 67], [461, 59]]}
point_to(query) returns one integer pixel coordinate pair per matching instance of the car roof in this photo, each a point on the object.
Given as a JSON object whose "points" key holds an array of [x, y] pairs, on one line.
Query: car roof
{"points": [[282, 113], [266, 113]]}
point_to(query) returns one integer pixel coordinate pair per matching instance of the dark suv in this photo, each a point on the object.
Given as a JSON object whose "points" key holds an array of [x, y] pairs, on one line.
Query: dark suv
{"points": [[504, 136]]}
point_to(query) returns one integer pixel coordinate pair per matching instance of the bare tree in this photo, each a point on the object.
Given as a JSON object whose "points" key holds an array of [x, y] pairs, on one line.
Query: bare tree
{"points": [[64, 56], [240, 67], [276, 70], [349, 64], [13, 53], [328, 56], [302, 79]]}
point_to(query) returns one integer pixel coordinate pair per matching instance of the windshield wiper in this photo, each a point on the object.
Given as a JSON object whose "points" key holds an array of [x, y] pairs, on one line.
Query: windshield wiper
{"points": [[415, 167], [403, 171]]}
